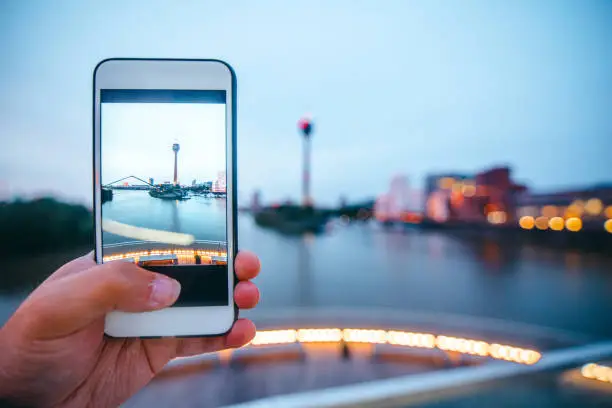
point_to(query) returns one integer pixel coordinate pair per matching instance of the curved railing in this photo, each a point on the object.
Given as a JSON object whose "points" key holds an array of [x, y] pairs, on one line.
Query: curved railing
{"points": [[435, 386]]}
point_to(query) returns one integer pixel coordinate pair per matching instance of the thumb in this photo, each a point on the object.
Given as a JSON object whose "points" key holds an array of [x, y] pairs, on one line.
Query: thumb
{"points": [[69, 304]]}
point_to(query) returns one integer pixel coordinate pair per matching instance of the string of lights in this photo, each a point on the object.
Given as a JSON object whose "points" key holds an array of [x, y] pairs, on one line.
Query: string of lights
{"points": [[398, 338]]}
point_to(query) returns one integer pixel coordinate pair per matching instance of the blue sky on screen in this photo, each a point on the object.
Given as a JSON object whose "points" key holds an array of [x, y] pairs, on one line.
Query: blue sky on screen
{"points": [[137, 141]]}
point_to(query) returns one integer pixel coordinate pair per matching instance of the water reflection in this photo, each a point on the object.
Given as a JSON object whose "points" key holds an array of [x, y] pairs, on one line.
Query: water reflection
{"points": [[305, 293], [176, 222], [363, 265], [435, 246], [203, 217], [493, 254]]}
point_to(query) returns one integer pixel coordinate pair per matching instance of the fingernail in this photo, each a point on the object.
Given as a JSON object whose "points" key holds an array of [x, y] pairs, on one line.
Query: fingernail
{"points": [[164, 291]]}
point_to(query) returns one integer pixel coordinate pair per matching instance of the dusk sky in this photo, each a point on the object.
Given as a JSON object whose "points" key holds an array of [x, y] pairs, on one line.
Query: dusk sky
{"points": [[401, 86], [137, 140]]}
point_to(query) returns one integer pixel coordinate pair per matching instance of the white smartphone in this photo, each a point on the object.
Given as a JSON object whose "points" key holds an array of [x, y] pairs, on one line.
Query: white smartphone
{"points": [[165, 187]]}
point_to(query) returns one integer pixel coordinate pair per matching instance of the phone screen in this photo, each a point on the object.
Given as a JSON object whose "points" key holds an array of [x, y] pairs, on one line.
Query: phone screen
{"points": [[163, 187]]}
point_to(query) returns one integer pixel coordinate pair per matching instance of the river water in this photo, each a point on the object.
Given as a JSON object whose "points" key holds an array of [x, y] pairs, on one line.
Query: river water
{"points": [[362, 265], [202, 217]]}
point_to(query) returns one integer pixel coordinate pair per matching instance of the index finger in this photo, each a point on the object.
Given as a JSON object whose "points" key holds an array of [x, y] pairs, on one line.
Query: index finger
{"points": [[246, 265]]}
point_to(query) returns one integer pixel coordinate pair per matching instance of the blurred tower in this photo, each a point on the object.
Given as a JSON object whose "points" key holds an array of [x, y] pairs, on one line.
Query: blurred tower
{"points": [[305, 126], [175, 149]]}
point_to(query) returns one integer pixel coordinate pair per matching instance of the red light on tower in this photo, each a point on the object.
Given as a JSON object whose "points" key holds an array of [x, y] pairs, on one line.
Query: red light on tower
{"points": [[305, 125]]}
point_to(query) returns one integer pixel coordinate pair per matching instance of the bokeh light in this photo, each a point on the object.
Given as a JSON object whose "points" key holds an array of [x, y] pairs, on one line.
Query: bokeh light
{"points": [[527, 222], [573, 224], [573, 211], [446, 183], [608, 226], [594, 206], [397, 338], [497, 217], [597, 372], [608, 211], [556, 223], [541, 223], [468, 190], [457, 188]]}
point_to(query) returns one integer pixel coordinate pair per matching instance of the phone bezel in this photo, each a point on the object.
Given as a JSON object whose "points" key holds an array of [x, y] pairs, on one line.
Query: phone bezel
{"points": [[174, 74]]}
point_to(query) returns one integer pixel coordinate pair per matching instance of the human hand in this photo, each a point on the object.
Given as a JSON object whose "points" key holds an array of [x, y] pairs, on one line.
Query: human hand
{"points": [[53, 351]]}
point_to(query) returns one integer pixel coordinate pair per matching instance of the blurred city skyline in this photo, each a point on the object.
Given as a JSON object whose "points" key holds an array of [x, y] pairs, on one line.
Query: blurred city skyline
{"points": [[394, 87]]}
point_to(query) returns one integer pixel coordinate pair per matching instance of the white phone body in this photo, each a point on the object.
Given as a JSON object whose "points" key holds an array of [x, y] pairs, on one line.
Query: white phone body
{"points": [[174, 75]]}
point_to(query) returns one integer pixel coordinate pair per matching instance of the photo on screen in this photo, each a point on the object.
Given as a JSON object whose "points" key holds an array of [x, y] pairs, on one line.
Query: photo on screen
{"points": [[163, 177]]}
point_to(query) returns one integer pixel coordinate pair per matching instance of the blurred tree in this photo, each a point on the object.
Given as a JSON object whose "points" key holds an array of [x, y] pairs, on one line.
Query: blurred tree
{"points": [[43, 224]]}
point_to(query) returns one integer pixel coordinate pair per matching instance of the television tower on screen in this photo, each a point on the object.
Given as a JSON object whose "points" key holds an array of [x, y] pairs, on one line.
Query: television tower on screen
{"points": [[175, 149]]}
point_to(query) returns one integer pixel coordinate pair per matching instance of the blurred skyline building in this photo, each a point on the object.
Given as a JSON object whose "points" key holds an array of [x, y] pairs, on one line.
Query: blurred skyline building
{"points": [[400, 203], [492, 196], [256, 201], [489, 195], [219, 185]]}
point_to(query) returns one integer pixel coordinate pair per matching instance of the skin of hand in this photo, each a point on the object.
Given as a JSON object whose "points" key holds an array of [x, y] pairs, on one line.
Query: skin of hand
{"points": [[53, 351]]}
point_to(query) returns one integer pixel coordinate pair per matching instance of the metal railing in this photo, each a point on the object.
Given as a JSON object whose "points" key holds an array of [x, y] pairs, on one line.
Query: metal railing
{"points": [[222, 244], [418, 389]]}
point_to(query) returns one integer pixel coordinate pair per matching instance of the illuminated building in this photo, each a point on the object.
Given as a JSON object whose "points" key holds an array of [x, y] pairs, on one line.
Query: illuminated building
{"points": [[438, 191], [492, 197], [498, 192], [443, 181], [437, 206], [488, 196]]}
